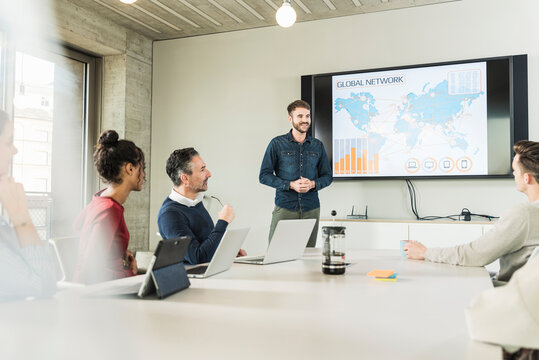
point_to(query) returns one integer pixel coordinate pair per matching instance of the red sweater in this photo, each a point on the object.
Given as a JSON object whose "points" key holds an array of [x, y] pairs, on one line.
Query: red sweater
{"points": [[103, 241]]}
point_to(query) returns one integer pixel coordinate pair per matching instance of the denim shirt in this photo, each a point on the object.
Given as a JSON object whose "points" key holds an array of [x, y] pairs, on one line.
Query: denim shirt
{"points": [[287, 160]]}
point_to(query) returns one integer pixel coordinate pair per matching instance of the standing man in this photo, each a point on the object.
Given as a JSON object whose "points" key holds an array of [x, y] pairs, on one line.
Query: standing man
{"points": [[297, 166], [182, 212]]}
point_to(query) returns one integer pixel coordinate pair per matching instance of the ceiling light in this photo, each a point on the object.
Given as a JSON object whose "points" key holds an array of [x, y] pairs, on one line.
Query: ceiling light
{"points": [[128, 1], [286, 15]]}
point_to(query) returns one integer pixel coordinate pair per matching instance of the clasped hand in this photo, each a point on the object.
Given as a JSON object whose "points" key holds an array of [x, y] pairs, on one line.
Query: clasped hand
{"points": [[302, 185]]}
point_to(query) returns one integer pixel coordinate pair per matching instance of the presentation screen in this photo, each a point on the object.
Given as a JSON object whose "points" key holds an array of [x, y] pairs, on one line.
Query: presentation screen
{"points": [[423, 121], [436, 120]]}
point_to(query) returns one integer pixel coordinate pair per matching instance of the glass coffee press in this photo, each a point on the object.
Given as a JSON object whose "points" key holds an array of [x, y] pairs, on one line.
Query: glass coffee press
{"points": [[333, 255]]}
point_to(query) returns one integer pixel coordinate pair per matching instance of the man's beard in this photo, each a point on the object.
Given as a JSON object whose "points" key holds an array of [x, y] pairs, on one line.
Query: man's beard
{"points": [[199, 189], [298, 128]]}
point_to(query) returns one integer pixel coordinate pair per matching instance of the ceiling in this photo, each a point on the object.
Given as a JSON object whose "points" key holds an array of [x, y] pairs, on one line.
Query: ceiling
{"points": [[169, 19]]}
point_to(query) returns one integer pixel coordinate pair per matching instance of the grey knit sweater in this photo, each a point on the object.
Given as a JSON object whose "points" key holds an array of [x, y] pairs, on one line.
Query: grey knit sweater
{"points": [[512, 240]]}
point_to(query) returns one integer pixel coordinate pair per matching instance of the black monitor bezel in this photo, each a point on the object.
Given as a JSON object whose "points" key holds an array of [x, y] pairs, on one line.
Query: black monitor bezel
{"points": [[517, 109]]}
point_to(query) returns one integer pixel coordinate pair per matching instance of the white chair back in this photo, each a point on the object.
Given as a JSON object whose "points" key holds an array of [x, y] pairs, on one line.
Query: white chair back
{"points": [[67, 249]]}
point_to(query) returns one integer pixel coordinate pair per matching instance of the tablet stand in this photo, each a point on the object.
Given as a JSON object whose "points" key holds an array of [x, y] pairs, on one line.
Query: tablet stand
{"points": [[170, 279]]}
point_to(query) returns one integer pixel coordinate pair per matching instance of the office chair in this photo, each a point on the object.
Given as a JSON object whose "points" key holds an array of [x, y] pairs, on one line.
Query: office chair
{"points": [[66, 249]]}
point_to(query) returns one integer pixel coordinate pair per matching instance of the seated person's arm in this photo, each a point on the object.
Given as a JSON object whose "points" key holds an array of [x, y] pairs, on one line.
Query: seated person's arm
{"points": [[499, 308], [13, 199], [39, 258], [173, 225], [507, 236], [30, 270]]}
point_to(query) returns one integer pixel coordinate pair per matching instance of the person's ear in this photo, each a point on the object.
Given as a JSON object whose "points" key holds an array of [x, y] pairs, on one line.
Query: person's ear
{"points": [[129, 168], [184, 178], [527, 179]]}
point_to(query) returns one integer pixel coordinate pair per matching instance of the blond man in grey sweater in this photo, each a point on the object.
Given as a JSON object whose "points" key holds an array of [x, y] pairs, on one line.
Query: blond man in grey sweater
{"points": [[515, 235]]}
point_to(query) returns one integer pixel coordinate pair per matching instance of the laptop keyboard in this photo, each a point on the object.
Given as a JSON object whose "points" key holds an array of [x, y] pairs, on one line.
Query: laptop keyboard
{"points": [[198, 270]]}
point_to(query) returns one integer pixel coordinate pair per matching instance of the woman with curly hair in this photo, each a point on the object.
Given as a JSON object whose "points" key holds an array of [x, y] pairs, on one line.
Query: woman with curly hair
{"points": [[104, 237]]}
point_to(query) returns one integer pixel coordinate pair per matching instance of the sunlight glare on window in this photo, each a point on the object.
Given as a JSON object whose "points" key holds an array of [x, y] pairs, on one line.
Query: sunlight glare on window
{"points": [[33, 113]]}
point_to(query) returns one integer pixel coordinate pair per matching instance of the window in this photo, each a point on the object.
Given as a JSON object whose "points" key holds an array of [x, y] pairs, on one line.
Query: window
{"points": [[35, 79], [52, 95]]}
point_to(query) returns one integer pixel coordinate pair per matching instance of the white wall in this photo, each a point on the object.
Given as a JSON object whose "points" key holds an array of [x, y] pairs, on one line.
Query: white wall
{"points": [[226, 95]]}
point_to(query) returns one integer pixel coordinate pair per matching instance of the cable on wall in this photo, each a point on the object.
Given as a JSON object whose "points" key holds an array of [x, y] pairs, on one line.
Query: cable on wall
{"points": [[465, 213]]}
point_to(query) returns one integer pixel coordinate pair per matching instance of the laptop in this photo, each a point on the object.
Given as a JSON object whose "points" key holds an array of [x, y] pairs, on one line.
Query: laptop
{"points": [[224, 255], [169, 252], [288, 243]]}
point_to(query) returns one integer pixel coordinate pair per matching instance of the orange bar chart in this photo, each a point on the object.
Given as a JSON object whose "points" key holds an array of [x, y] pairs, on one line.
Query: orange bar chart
{"points": [[355, 157], [364, 162]]}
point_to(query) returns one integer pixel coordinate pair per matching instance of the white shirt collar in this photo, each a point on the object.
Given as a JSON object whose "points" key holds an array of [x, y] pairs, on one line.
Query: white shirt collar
{"points": [[179, 198]]}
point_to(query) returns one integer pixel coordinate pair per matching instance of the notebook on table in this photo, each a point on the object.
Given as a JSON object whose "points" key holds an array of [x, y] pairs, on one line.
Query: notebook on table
{"points": [[288, 243]]}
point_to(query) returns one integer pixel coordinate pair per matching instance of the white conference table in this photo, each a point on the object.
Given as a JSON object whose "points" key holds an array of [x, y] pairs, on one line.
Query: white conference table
{"points": [[281, 311]]}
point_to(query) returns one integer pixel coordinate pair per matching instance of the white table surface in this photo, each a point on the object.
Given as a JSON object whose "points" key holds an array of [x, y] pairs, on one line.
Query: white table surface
{"points": [[280, 311]]}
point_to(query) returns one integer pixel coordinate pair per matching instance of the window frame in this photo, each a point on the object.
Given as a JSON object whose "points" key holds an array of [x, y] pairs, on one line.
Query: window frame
{"points": [[92, 92]]}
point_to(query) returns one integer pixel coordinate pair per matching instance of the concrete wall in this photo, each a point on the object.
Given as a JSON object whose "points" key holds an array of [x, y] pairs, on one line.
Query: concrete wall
{"points": [[126, 96], [226, 95]]}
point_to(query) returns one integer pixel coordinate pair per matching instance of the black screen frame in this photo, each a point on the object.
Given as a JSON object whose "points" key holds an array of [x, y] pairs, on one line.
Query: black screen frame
{"points": [[507, 88]]}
